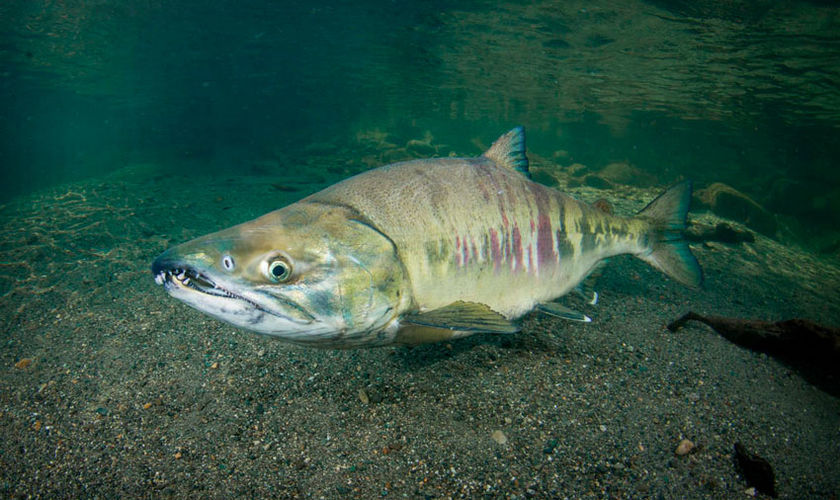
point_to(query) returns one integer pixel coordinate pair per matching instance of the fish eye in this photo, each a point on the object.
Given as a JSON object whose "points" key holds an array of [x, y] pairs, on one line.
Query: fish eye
{"points": [[227, 263], [279, 270]]}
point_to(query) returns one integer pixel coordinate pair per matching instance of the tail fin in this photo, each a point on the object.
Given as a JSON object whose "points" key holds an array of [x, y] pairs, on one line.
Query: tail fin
{"points": [[669, 252]]}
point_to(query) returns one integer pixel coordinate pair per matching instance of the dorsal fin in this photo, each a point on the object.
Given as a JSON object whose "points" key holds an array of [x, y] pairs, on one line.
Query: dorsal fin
{"points": [[509, 151]]}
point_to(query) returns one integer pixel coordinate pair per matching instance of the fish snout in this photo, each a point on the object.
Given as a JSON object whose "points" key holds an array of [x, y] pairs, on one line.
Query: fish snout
{"points": [[171, 264], [164, 262]]}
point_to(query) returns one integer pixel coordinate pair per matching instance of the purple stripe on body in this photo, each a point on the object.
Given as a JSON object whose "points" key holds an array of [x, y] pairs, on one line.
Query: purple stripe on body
{"points": [[545, 241], [507, 252], [495, 250], [518, 264], [465, 251], [545, 235], [560, 240]]}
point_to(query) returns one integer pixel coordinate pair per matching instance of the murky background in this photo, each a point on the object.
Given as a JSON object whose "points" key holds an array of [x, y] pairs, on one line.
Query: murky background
{"points": [[744, 93]]}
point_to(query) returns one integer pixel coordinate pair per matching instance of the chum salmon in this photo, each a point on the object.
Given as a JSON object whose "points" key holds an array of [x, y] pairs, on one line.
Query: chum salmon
{"points": [[419, 251]]}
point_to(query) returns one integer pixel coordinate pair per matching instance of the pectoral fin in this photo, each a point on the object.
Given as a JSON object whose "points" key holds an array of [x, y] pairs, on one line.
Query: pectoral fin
{"points": [[463, 316], [561, 311]]}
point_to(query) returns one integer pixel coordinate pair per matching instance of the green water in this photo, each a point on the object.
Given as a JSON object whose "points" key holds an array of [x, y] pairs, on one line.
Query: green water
{"points": [[744, 93]]}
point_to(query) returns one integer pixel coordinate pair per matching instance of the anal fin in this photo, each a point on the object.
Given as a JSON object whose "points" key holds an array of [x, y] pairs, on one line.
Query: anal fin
{"points": [[561, 311], [465, 317]]}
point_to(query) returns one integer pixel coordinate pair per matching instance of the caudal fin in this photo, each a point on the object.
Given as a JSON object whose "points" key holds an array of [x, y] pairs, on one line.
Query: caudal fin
{"points": [[669, 252]]}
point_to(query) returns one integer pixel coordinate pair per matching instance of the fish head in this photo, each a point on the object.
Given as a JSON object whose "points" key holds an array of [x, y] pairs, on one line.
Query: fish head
{"points": [[308, 273]]}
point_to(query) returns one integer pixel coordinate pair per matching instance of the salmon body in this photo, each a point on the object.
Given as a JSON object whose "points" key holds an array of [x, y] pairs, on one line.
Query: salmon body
{"points": [[418, 251]]}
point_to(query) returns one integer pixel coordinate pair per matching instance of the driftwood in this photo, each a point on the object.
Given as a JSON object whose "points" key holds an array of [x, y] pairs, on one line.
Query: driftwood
{"points": [[756, 471], [811, 349]]}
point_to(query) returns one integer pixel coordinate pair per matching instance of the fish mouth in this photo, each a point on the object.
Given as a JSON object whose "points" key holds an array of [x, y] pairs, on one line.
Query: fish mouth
{"points": [[178, 279], [186, 277]]}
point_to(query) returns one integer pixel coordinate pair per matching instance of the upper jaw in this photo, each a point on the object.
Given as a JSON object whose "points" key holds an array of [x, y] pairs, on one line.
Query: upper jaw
{"points": [[183, 276], [172, 273]]}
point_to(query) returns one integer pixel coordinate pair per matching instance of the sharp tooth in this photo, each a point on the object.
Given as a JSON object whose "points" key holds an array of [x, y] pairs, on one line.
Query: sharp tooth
{"points": [[186, 281], [159, 279], [182, 275]]}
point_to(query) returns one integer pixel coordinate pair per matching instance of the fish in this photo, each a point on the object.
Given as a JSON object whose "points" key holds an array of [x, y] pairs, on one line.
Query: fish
{"points": [[420, 251]]}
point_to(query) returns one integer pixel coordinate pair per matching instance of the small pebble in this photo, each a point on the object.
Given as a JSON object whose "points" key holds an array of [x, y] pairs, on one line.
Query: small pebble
{"points": [[363, 396], [23, 363], [499, 437], [684, 448]]}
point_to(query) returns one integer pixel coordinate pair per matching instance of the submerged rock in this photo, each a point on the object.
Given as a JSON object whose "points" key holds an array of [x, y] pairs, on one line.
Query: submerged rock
{"points": [[363, 396], [577, 169], [721, 232], [420, 148], [627, 174], [560, 155], [728, 202], [684, 448], [23, 363], [499, 437], [394, 155], [597, 182]]}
